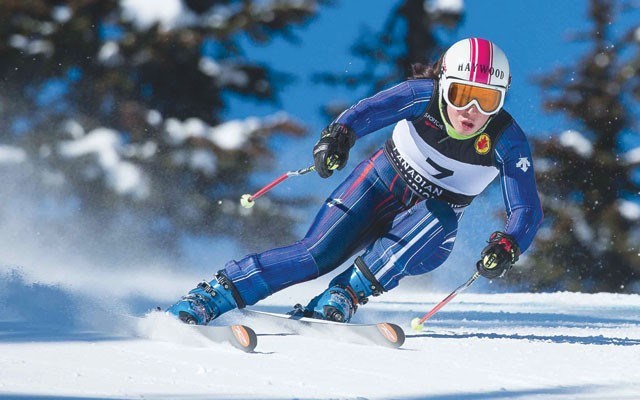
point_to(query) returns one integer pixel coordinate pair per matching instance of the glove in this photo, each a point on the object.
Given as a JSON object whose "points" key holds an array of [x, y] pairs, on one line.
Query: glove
{"points": [[332, 150], [498, 256]]}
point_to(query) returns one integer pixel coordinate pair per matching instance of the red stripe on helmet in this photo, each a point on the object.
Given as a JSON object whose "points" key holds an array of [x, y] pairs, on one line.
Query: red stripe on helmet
{"points": [[482, 60], [472, 52]]}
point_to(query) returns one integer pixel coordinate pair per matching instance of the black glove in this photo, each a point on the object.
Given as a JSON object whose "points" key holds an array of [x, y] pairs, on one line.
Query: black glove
{"points": [[332, 150], [498, 256]]}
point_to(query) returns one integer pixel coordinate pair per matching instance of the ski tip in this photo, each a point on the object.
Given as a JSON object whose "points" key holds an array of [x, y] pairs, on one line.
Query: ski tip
{"points": [[244, 338], [394, 335]]}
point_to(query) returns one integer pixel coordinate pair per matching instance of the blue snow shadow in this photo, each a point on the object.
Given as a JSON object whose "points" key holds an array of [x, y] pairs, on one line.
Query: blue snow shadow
{"points": [[36, 312], [597, 340], [53, 397], [185, 396], [19, 332], [543, 393], [452, 325]]}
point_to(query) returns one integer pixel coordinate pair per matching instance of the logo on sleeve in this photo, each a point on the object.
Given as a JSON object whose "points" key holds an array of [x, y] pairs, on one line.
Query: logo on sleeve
{"points": [[483, 144], [523, 163]]}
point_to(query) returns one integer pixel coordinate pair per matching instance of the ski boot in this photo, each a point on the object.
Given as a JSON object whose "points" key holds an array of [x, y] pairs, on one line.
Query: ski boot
{"points": [[334, 304], [206, 302], [340, 300]]}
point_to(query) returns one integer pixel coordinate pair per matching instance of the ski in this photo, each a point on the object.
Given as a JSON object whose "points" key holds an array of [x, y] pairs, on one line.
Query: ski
{"points": [[239, 336], [383, 333]]}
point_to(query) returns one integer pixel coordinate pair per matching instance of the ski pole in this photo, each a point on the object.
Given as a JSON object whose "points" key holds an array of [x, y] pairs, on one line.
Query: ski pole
{"points": [[248, 200], [418, 323]]}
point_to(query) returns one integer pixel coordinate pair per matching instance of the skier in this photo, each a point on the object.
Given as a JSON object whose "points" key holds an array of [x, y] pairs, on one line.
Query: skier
{"points": [[400, 208]]}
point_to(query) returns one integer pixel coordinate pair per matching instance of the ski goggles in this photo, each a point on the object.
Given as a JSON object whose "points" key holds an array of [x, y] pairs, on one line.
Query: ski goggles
{"points": [[462, 94]]}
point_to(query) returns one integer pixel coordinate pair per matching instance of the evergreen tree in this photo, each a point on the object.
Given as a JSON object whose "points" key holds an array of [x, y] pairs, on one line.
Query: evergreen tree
{"points": [[588, 177], [120, 114]]}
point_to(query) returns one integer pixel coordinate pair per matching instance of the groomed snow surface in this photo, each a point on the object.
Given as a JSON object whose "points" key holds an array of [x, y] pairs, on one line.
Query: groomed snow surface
{"points": [[60, 342]]}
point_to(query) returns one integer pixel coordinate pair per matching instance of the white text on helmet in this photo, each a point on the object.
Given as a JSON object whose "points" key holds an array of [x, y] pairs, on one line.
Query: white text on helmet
{"points": [[482, 68]]}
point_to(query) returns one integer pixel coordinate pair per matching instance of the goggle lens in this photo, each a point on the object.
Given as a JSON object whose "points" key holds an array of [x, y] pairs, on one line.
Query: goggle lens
{"points": [[461, 95]]}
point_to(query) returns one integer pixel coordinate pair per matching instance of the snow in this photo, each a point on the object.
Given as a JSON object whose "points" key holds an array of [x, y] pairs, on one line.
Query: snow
{"points": [[109, 54], [62, 14], [230, 135], [107, 154], [225, 73], [31, 46], [233, 134], [629, 210], [121, 176], [632, 156], [12, 155], [144, 13], [576, 141], [66, 336], [451, 6]]}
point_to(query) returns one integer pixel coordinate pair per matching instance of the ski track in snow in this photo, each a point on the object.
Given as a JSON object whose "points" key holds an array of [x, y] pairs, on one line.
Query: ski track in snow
{"points": [[59, 344]]}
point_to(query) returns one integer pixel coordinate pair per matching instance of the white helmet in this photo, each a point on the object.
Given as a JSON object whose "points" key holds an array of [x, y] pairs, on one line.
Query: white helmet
{"points": [[476, 71]]}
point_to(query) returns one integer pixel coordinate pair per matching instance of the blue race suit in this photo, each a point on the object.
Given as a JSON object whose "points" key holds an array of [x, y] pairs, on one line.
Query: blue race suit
{"points": [[400, 208]]}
